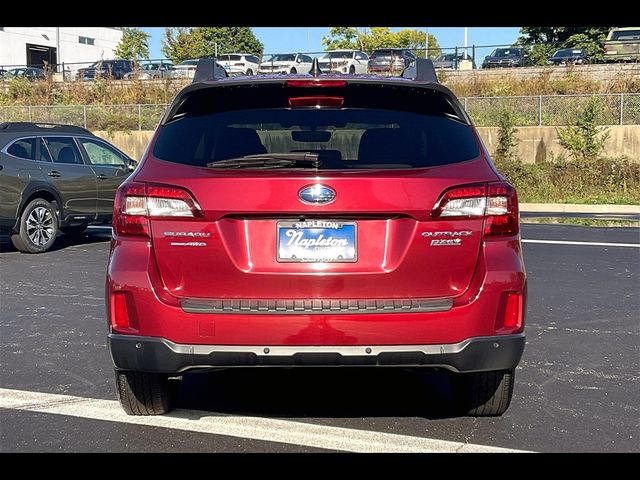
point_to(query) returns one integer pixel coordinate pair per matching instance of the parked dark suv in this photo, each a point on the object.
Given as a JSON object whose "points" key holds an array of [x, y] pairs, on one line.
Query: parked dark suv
{"points": [[116, 69], [55, 177], [507, 57]]}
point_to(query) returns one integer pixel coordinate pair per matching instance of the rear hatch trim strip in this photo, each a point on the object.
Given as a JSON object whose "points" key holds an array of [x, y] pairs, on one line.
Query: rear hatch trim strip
{"points": [[315, 306]]}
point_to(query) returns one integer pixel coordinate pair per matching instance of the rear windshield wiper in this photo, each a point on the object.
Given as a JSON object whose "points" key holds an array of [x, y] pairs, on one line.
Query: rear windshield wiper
{"points": [[269, 160]]}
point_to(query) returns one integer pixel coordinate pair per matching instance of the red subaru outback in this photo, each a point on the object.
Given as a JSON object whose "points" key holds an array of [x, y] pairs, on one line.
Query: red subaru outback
{"points": [[316, 220]]}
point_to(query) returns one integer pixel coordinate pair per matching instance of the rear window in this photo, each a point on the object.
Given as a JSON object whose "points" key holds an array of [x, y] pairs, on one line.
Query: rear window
{"points": [[623, 35], [404, 128], [234, 58]]}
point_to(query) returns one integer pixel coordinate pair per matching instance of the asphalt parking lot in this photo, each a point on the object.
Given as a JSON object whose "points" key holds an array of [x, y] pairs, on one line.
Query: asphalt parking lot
{"points": [[577, 387]]}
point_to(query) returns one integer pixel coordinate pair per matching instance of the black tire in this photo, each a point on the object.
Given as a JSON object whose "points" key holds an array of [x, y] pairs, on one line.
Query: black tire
{"points": [[35, 243], [485, 394], [74, 230], [143, 393], [249, 72], [294, 71], [352, 69]]}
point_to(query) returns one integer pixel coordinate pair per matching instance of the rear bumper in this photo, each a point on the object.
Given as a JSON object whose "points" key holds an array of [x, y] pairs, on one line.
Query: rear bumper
{"points": [[153, 354]]}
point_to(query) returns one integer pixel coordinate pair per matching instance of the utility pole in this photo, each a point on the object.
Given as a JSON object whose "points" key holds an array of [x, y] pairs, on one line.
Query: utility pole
{"points": [[426, 45], [465, 43], [58, 56]]}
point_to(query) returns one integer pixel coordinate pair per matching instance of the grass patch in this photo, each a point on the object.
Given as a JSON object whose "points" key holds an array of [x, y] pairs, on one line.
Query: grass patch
{"points": [[584, 222], [592, 181]]}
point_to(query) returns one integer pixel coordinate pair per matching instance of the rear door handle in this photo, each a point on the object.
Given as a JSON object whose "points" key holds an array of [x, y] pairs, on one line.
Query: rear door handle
{"points": [[102, 176], [54, 174]]}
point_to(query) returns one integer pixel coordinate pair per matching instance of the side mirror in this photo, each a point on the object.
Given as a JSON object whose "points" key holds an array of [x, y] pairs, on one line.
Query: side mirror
{"points": [[298, 60]]}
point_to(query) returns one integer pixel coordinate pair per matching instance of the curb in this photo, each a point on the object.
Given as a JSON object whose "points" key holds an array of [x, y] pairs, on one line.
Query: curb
{"points": [[579, 208]]}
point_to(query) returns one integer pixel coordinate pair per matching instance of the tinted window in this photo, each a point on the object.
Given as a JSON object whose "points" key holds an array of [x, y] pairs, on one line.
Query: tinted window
{"points": [[343, 138], [283, 57], [306, 58], [24, 148], [361, 56], [101, 154], [234, 58], [253, 59], [63, 150], [338, 55]]}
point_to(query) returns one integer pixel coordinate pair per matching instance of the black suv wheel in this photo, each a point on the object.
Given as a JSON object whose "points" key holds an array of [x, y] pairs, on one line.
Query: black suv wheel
{"points": [[37, 229]]}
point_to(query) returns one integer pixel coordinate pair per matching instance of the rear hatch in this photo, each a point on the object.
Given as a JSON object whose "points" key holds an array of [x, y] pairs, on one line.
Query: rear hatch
{"points": [[328, 197]]}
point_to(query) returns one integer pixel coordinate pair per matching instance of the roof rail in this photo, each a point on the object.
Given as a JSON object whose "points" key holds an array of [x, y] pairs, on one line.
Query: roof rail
{"points": [[206, 70], [31, 126], [421, 70]]}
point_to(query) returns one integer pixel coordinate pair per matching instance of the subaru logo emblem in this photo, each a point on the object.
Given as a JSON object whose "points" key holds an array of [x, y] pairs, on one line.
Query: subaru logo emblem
{"points": [[317, 194]]}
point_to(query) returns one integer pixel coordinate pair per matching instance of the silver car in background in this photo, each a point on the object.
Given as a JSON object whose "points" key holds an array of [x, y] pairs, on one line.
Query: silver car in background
{"points": [[286, 63], [344, 61], [239, 63], [187, 69], [151, 71]]}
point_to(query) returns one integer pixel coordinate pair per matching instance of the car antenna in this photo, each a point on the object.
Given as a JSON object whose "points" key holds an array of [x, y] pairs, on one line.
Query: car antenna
{"points": [[315, 68]]}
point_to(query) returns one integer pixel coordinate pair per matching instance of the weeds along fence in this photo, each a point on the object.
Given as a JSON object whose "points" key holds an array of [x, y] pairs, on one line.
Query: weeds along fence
{"points": [[540, 110]]}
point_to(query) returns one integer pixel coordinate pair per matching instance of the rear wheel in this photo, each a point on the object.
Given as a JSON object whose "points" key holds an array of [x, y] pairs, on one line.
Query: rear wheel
{"points": [[249, 72], [143, 393], [352, 70], [485, 394], [37, 229], [294, 71]]}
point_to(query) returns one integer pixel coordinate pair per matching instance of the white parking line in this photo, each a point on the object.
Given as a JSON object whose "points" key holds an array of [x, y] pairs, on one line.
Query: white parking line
{"points": [[254, 428], [592, 244]]}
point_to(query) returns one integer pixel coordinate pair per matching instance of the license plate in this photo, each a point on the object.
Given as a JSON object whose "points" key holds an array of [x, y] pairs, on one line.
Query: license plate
{"points": [[317, 241]]}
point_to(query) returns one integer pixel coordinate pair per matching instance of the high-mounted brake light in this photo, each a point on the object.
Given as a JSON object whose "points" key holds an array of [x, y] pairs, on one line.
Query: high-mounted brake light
{"points": [[497, 202], [316, 83], [136, 203], [316, 102]]}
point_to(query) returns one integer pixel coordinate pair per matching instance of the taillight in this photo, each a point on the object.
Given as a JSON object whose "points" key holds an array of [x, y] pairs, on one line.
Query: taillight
{"points": [[496, 202], [136, 203], [316, 102]]}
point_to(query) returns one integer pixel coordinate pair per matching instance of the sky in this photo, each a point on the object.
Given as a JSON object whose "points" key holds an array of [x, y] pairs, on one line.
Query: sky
{"points": [[289, 39]]}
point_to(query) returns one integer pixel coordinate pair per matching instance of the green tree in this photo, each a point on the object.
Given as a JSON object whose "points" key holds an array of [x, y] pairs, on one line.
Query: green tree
{"points": [[543, 41], [507, 139], [195, 42], [133, 44], [584, 139], [379, 37]]}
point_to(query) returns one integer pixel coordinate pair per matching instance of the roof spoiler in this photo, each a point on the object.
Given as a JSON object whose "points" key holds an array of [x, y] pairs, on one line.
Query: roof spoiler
{"points": [[422, 70], [206, 70]]}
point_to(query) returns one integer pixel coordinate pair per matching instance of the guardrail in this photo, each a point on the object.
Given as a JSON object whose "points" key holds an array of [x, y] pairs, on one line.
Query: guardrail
{"points": [[540, 110]]}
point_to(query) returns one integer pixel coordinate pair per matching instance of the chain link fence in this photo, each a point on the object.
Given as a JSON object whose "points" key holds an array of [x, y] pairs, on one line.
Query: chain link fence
{"points": [[542, 110], [553, 110]]}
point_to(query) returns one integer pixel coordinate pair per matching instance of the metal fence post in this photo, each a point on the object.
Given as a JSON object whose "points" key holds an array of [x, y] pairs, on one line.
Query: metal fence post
{"points": [[139, 118], [465, 104], [84, 112], [540, 110], [621, 108], [30, 116]]}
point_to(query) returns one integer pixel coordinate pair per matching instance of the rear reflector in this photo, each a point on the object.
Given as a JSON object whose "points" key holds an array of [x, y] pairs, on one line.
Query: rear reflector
{"points": [[316, 83], [497, 202], [136, 203], [513, 311], [316, 102], [119, 311]]}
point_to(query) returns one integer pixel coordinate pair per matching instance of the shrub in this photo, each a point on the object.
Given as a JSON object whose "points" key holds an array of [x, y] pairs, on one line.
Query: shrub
{"points": [[583, 137], [507, 140]]}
